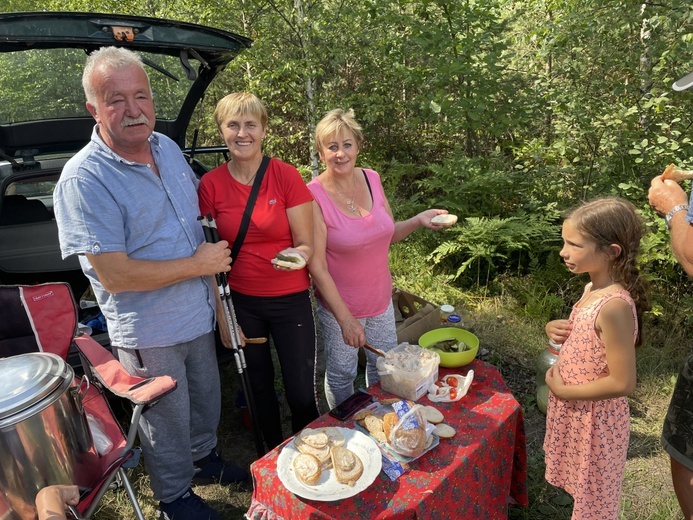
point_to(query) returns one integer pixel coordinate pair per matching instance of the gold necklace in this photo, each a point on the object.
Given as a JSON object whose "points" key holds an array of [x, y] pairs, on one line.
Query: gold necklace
{"points": [[351, 203]]}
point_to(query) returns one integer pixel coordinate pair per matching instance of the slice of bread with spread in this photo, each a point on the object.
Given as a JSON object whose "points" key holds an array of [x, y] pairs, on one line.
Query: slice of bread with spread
{"points": [[314, 438], [322, 454], [347, 465], [334, 436], [307, 468]]}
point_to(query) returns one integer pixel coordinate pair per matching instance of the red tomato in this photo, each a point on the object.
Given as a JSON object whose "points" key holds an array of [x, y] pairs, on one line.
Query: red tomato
{"points": [[451, 381], [453, 393]]}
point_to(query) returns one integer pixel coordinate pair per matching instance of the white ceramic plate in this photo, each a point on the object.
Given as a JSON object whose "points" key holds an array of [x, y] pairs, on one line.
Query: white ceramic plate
{"points": [[328, 489]]}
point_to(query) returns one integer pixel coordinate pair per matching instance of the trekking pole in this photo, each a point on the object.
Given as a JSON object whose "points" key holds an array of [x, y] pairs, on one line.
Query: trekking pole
{"points": [[212, 236]]}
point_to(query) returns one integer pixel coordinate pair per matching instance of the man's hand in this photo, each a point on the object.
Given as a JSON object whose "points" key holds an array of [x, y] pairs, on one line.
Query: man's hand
{"points": [[664, 195], [213, 258]]}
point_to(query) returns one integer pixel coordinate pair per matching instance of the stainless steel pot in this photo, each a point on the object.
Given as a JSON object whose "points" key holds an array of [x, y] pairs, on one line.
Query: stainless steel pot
{"points": [[44, 435]]}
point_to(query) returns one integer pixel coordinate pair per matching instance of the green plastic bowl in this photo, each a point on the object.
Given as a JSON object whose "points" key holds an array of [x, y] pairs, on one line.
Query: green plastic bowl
{"points": [[451, 359]]}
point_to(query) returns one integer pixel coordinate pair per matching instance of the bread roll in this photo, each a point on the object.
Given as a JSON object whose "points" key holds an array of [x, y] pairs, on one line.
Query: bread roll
{"points": [[445, 219], [307, 468], [410, 443], [389, 422], [347, 465], [289, 260]]}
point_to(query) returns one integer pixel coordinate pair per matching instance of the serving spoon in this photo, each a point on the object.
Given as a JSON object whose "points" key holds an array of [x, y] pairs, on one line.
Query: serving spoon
{"points": [[374, 350]]}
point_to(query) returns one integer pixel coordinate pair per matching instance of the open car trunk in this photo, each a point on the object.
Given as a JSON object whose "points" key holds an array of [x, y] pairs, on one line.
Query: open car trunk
{"points": [[44, 121]]}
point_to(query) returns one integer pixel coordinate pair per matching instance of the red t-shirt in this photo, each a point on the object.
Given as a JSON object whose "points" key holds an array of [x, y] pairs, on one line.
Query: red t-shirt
{"points": [[268, 232]]}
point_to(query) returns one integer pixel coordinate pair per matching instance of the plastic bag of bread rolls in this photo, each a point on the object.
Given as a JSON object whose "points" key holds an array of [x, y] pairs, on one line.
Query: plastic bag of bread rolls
{"points": [[408, 436]]}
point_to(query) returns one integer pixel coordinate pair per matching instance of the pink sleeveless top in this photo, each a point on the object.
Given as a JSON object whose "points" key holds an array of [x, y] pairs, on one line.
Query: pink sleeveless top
{"points": [[357, 250]]}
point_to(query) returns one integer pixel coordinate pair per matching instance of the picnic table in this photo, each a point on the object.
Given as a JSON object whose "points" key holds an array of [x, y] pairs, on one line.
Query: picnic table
{"points": [[477, 473]]}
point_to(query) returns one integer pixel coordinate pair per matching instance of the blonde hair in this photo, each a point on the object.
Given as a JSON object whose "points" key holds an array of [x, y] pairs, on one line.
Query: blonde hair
{"points": [[115, 58], [334, 122], [612, 220], [240, 104]]}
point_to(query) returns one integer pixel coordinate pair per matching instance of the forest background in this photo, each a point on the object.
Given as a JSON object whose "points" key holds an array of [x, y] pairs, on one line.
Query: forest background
{"points": [[506, 113]]}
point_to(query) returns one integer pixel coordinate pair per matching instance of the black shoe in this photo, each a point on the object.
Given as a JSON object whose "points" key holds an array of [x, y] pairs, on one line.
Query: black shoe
{"points": [[213, 468], [187, 507]]}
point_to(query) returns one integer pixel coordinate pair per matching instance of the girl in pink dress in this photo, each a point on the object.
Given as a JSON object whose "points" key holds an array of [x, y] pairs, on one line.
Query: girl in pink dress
{"points": [[588, 419]]}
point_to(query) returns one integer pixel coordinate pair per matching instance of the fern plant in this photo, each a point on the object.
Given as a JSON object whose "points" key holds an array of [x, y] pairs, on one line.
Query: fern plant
{"points": [[496, 244]]}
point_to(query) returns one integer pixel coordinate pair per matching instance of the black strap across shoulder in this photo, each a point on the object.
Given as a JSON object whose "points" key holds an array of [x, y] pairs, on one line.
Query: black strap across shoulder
{"points": [[245, 221], [367, 183]]}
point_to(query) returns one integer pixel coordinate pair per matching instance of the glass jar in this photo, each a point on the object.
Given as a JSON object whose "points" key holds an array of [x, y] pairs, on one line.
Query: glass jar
{"points": [[445, 311], [546, 360]]}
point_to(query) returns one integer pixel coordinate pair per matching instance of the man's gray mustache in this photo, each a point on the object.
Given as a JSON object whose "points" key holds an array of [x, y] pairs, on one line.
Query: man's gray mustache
{"points": [[129, 121]]}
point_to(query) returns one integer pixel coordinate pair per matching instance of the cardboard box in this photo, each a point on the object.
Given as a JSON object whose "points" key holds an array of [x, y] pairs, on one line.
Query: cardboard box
{"points": [[413, 316]]}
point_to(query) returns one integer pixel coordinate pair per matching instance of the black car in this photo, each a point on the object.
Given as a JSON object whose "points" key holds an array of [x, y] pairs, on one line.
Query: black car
{"points": [[44, 121]]}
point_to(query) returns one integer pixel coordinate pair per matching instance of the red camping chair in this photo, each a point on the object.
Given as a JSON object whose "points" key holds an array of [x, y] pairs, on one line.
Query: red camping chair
{"points": [[44, 318]]}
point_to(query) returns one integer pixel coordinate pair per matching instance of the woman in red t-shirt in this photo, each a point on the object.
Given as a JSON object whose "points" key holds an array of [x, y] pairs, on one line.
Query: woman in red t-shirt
{"points": [[269, 300]]}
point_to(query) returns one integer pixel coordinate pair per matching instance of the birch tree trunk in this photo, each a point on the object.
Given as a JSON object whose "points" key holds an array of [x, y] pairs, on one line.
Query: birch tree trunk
{"points": [[304, 38], [645, 63]]}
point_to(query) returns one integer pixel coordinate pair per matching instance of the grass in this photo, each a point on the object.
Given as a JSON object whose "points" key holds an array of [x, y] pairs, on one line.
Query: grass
{"points": [[647, 490], [512, 341]]}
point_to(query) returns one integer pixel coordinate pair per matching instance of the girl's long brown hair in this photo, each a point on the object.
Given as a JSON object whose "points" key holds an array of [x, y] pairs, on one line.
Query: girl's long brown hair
{"points": [[612, 220]]}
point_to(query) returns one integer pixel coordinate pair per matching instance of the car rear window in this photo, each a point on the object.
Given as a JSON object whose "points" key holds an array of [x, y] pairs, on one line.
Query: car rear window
{"points": [[44, 84], [28, 201]]}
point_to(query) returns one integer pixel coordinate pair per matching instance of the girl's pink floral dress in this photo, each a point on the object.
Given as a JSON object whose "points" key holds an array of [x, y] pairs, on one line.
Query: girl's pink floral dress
{"points": [[586, 442]]}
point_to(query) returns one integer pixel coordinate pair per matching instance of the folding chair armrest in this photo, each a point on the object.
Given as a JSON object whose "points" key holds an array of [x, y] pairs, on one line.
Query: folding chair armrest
{"points": [[111, 374]]}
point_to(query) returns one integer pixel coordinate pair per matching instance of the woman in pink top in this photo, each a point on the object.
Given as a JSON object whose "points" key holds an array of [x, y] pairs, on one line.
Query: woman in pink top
{"points": [[353, 230]]}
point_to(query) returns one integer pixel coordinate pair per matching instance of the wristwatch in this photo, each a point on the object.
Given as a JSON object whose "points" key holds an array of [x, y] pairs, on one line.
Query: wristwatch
{"points": [[674, 211]]}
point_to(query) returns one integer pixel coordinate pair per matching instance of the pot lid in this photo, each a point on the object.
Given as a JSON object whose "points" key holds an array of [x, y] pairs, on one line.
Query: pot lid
{"points": [[28, 379]]}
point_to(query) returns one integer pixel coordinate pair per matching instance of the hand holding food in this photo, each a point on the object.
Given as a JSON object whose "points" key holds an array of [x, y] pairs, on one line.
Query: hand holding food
{"points": [[444, 219], [289, 260], [672, 173]]}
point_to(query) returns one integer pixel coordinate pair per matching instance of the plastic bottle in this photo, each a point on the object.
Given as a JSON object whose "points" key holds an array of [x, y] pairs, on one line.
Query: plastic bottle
{"points": [[455, 320], [445, 311], [546, 360]]}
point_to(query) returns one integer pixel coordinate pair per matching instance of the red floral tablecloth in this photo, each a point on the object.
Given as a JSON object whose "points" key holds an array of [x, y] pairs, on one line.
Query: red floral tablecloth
{"points": [[476, 474]]}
